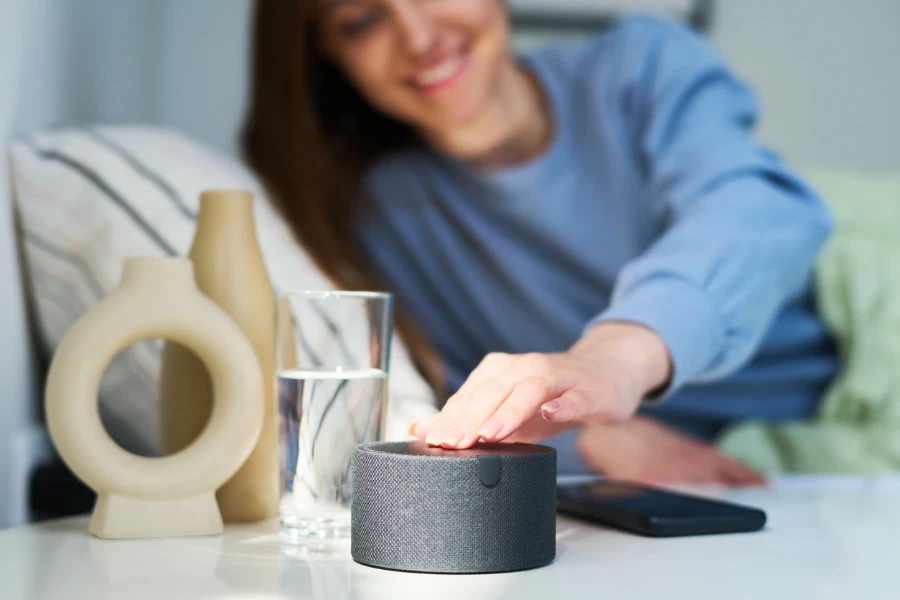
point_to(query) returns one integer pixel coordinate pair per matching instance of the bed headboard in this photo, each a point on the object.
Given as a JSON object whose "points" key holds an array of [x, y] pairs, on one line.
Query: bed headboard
{"points": [[586, 15]]}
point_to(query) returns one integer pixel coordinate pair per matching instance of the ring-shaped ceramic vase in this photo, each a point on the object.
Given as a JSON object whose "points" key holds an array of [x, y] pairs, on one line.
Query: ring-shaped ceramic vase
{"points": [[172, 495]]}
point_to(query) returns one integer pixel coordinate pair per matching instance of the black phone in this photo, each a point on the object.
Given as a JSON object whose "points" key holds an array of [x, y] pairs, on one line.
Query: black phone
{"points": [[654, 512]]}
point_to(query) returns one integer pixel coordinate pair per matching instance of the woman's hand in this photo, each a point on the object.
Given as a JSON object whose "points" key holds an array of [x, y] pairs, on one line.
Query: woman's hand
{"points": [[644, 451], [529, 397]]}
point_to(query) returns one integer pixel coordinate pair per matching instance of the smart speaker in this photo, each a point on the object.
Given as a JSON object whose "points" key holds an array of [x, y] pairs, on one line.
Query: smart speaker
{"points": [[487, 509]]}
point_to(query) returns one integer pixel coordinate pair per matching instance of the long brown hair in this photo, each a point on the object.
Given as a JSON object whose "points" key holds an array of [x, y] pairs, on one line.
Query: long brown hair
{"points": [[310, 137]]}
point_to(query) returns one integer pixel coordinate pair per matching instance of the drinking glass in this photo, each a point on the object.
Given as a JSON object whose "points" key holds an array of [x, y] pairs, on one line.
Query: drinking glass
{"points": [[331, 363]]}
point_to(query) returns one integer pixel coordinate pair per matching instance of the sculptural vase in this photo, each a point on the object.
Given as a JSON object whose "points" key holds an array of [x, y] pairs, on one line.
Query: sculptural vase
{"points": [[172, 495]]}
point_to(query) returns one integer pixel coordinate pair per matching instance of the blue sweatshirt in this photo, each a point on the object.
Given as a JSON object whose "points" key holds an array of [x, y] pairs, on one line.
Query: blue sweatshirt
{"points": [[652, 205]]}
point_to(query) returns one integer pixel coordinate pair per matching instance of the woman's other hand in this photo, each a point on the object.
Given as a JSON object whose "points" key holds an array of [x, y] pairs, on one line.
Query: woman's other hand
{"points": [[644, 451], [530, 397]]}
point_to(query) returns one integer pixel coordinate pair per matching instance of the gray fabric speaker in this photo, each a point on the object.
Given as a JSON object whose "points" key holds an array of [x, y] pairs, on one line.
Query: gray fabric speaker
{"points": [[488, 509]]}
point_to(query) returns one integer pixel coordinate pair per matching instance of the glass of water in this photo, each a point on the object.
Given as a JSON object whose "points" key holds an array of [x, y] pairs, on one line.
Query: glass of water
{"points": [[332, 352]]}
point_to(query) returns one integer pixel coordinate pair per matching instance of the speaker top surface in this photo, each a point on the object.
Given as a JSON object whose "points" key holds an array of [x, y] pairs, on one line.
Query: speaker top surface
{"points": [[419, 448]]}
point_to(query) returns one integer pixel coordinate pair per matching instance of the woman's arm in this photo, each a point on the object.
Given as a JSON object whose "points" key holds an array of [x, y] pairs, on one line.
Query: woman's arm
{"points": [[743, 230], [741, 235]]}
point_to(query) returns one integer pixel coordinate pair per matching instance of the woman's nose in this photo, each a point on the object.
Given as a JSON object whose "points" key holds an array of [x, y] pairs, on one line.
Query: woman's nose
{"points": [[418, 30]]}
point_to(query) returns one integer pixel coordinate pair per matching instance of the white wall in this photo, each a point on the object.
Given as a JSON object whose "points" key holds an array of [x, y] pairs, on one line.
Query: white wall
{"points": [[204, 60], [90, 60], [827, 73]]}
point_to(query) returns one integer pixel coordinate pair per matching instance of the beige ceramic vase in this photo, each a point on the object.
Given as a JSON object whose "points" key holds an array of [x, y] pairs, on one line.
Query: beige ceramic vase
{"points": [[229, 269], [173, 495]]}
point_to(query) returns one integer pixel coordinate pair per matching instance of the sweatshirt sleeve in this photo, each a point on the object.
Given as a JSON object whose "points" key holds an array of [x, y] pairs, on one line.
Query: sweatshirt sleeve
{"points": [[741, 231]]}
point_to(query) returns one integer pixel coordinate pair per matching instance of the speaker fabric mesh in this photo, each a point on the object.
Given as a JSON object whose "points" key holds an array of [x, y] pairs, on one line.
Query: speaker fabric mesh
{"points": [[425, 509]]}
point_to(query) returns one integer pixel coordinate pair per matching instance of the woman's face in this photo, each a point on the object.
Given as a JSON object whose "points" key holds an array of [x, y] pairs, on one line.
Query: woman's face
{"points": [[432, 64]]}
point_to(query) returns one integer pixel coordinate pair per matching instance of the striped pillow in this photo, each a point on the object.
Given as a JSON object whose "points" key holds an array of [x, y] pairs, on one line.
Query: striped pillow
{"points": [[89, 198]]}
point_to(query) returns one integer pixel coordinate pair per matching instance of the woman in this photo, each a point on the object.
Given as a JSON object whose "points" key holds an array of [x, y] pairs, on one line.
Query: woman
{"points": [[572, 236]]}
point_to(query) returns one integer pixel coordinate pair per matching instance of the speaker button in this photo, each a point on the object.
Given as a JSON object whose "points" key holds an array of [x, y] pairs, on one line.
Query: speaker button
{"points": [[489, 469]]}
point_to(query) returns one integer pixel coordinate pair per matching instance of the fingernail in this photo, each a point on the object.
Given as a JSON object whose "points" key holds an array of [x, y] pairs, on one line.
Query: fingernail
{"points": [[453, 437], [491, 429], [552, 406]]}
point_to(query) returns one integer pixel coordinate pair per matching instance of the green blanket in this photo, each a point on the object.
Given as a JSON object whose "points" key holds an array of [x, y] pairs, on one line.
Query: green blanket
{"points": [[857, 428]]}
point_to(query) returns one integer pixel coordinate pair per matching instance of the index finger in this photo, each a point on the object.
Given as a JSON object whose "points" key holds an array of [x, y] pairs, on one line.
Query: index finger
{"points": [[490, 366]]}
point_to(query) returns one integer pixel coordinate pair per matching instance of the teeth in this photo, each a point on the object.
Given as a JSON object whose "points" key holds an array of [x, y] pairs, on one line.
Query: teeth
{"points": [[439, 73]]}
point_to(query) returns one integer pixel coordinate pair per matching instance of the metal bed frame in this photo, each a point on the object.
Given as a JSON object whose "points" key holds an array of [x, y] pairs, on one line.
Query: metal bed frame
{"points": [[529, 19]]}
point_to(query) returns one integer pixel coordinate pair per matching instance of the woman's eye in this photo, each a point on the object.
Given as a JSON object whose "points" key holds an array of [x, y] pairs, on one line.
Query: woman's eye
{"points": [[360, 24]]}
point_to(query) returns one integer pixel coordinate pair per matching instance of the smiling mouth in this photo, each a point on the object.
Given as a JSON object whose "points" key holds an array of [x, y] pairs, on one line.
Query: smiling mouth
{"points": [[442, 75]]}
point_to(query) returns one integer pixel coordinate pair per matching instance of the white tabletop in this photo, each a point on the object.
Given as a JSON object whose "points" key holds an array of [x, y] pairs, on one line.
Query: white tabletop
{"points": [[826, 538]]}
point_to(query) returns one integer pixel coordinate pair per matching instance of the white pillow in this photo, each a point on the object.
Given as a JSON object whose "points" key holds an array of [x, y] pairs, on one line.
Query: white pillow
{"points": [[89, 198]]}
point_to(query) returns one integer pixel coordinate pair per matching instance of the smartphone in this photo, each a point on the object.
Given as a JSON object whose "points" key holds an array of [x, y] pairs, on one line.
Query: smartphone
{"points": [[654, 512]]}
